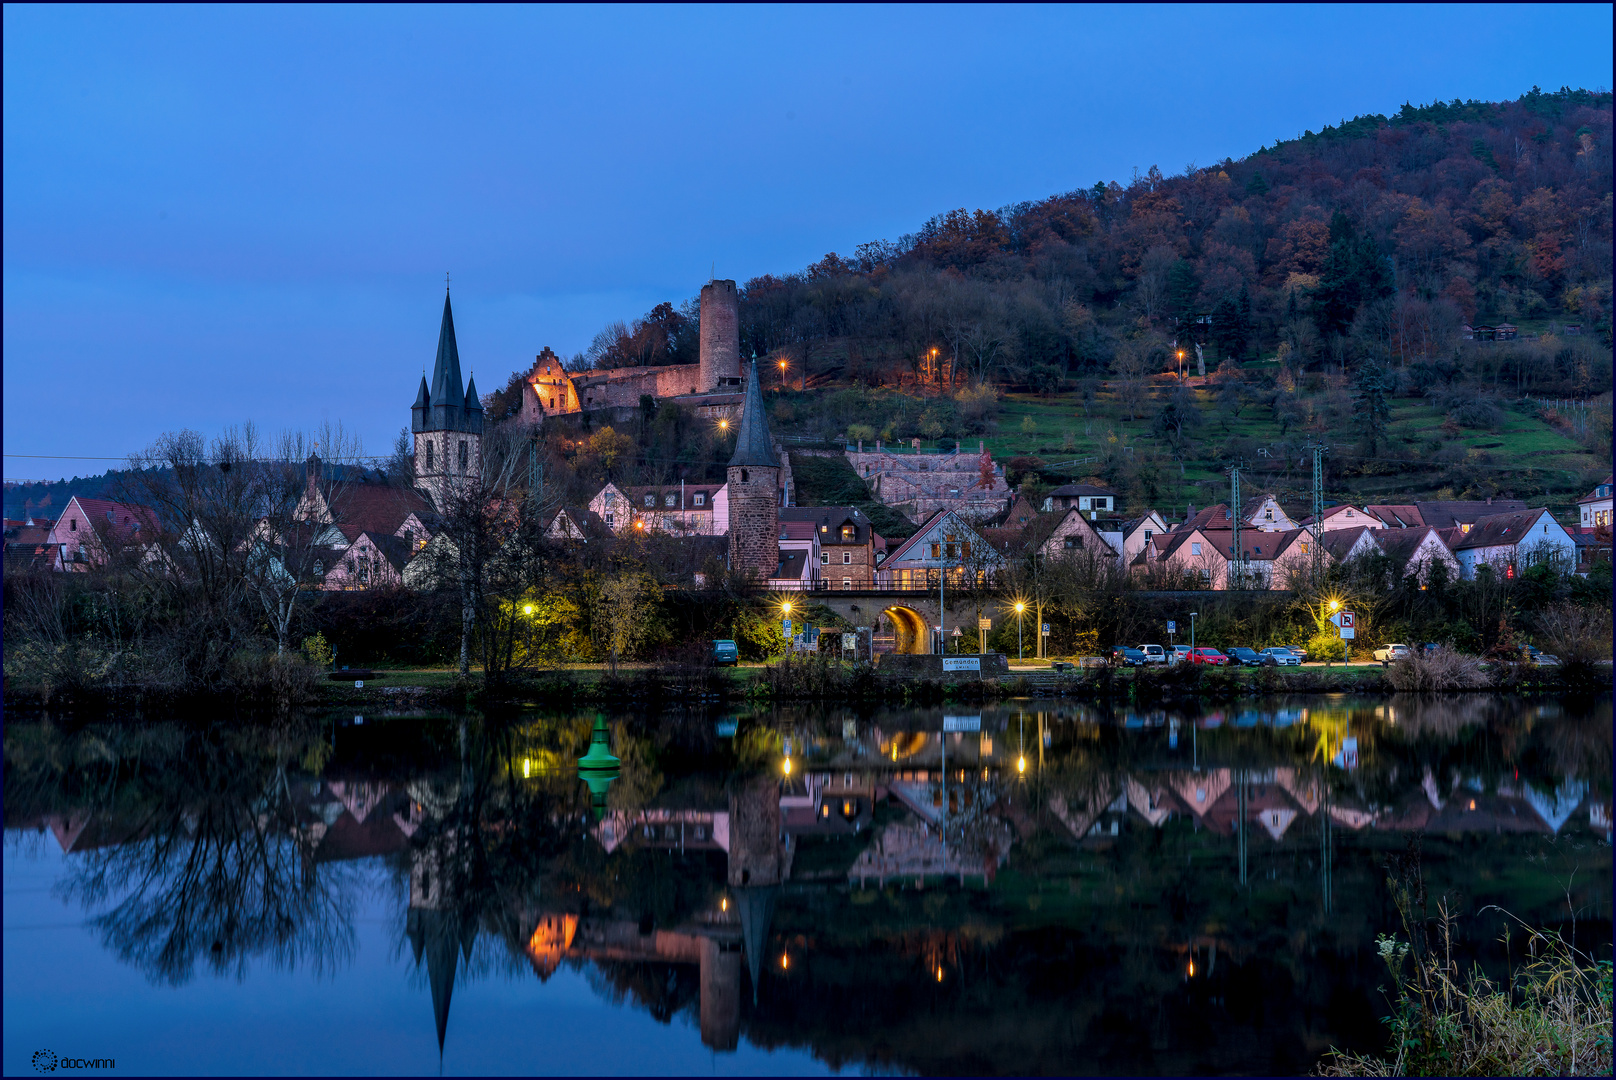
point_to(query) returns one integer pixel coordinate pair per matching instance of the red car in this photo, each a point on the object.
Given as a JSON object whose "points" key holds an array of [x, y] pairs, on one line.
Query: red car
{"points": [[1207, 656]]}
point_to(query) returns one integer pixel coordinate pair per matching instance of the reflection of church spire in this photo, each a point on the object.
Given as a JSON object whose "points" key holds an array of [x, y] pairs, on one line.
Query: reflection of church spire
{"points": [[757, 912], [432, 934], [435, 930]]}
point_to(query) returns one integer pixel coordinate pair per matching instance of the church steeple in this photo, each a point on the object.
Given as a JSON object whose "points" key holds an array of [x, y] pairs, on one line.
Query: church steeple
{"points": [[447, 387]]}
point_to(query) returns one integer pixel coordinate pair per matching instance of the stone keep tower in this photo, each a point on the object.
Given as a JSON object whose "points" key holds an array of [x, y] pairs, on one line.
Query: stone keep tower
{"points": [[720, 337], [754, 490], [447, 423]]}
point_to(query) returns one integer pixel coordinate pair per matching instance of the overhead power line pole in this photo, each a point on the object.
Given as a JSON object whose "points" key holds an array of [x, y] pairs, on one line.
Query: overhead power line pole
{"points": [[1234, 512], [1318, 513]]}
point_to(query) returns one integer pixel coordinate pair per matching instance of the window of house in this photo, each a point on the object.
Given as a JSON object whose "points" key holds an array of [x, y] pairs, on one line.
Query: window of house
{"points": [[744, 480], [319, 568], [464, 456], [848, 534], [701, 498], [609, 517], [847, 583], [1268, 515], [937, 551], [409, 538], [73, 525], [670, 500], [650, 500], [824, 558], [847, 558], [428, 455], [1147, 536], [1195, 549]]}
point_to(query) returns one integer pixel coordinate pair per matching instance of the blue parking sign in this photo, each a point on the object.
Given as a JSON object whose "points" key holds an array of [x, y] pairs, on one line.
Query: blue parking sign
{"points": [[1172, 627]]}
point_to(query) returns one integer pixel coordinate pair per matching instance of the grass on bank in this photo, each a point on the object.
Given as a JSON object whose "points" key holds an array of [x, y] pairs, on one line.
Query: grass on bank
{"points": [[1551, 1018]]}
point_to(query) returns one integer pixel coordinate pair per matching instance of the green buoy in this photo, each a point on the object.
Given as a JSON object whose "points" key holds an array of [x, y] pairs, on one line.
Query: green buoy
{"points": [[598, 768]]}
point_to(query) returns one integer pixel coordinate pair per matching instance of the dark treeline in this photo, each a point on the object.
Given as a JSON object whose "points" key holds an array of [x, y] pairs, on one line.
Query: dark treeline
{"points": [[1360, 245]]}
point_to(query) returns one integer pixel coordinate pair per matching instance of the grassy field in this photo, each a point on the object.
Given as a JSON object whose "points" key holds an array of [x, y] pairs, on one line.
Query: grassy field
{"points": [[1524, 454]]}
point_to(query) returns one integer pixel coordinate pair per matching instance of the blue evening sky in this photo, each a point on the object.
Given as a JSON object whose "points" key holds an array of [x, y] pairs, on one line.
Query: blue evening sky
{"points": [[216, 214]]}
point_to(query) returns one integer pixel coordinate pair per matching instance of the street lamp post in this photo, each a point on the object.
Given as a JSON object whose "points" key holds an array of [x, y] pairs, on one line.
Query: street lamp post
{"points": [[1192, 635], [1021, 650]]}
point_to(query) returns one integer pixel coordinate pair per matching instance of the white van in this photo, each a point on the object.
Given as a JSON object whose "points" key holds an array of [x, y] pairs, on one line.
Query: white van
{"points": [[1154, 654]]}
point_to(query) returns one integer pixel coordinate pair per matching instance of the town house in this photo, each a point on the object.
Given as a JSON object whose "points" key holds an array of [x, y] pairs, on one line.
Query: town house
{"points": [[1510, 543], [848, 548]]}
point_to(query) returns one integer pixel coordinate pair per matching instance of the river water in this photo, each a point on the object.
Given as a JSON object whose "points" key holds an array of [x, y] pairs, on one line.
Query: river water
{"points": [[1028, 888]]}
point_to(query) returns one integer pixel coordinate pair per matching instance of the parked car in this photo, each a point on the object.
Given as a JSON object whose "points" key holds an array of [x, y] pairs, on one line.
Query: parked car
{"points": [[1390, 653], [1282, 657], [1206, 655], [1301, 653], [1180, 654], [1127, 656], [1154, 654], [725, 653], [1250, 658]]}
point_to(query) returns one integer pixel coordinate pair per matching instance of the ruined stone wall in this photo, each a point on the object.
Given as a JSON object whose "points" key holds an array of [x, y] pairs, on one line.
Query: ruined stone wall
{"points": [[720, 334], [754, 520], [922, 484]]}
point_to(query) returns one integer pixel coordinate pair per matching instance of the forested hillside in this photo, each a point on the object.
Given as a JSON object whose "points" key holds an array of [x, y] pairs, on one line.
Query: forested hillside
{"points": [[1327, 278]]}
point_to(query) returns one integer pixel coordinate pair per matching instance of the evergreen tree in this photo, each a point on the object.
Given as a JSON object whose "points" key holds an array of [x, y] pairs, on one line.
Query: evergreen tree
{"points": [[1182, 288], [1257, 185], [1247, 328], [1227, 333], [1372, 405], [1354, 273]]}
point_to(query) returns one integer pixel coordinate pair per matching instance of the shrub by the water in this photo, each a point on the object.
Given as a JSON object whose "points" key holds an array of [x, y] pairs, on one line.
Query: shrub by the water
{"points": [[1439, 669]]}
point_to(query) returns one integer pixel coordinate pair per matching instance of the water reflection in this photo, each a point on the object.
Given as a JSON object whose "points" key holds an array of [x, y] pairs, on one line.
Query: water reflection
{"points": [[1016, 889]]}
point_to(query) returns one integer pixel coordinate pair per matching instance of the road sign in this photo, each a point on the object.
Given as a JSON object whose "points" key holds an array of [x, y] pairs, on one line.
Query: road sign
{"points": [[1046, 628], [849, 642], [962, 663], [785, 629], [1172, 627], [962, 723], [1348, 629], [984, 624]]}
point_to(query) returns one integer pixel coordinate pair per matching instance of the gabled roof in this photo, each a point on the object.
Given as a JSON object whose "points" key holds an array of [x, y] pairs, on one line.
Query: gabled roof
{"points": [[1397, 515], [1401, 544], [1337, 510], [1074, 490], [830, 520], [636, 496], [1500, 530], [791, 565], [378, 508], [930, 523], [122, 513], [1594, 496], [797, 530], [1340, 542], [1446, 514], [1147, 517], [1257, 546], [584, 519], [753, 447]]}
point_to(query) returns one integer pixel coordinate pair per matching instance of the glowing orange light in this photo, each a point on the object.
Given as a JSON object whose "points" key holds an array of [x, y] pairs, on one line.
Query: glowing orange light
{"points": [[723, 905], [1192, 969], [785, 961], [939, 970]]}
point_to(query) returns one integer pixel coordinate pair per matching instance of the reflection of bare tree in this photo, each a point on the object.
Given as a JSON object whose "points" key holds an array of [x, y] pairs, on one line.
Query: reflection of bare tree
{"points": [[975, 836], [222, 880]]}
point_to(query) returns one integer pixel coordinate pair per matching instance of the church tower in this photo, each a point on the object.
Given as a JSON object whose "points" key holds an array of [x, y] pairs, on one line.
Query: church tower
{"points": [[754, 491], [446, 423]]}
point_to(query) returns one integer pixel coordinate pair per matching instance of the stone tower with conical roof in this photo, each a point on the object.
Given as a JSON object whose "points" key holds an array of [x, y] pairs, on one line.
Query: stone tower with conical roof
{"points": [[754, 490], [446, 423]]}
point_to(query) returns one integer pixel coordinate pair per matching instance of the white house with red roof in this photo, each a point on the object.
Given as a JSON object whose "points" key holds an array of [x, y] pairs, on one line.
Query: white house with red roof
{"points": [[946, 539], [89, 530], [1595, 507], [1346, 517], [1511, 542]]}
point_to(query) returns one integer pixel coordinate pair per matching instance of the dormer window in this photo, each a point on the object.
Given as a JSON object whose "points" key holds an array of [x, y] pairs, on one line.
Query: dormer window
{"points": [[650, 500], [848, 534], [670, 500], [701, 498]]}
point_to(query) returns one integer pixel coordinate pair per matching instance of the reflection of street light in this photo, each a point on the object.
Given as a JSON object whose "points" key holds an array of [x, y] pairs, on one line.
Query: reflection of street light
{"points": [[788, 766], [1021, 651]]}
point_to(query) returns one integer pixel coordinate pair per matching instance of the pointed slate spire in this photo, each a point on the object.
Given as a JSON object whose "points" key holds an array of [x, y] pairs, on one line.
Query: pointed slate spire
{"points": [[447, 387], [756, 906], [472, 404], [753, 447], [423, 402]]}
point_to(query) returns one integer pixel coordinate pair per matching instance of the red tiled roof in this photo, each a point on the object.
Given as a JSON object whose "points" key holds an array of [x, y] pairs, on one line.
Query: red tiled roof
{"points": [[378, 508], [1500, 529]]}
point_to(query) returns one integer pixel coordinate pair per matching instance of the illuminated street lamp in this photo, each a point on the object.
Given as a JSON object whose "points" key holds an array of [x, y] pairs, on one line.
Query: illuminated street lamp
{"points": [[1021, 651], [1181, 365], [527, 609], [783, 365]]}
